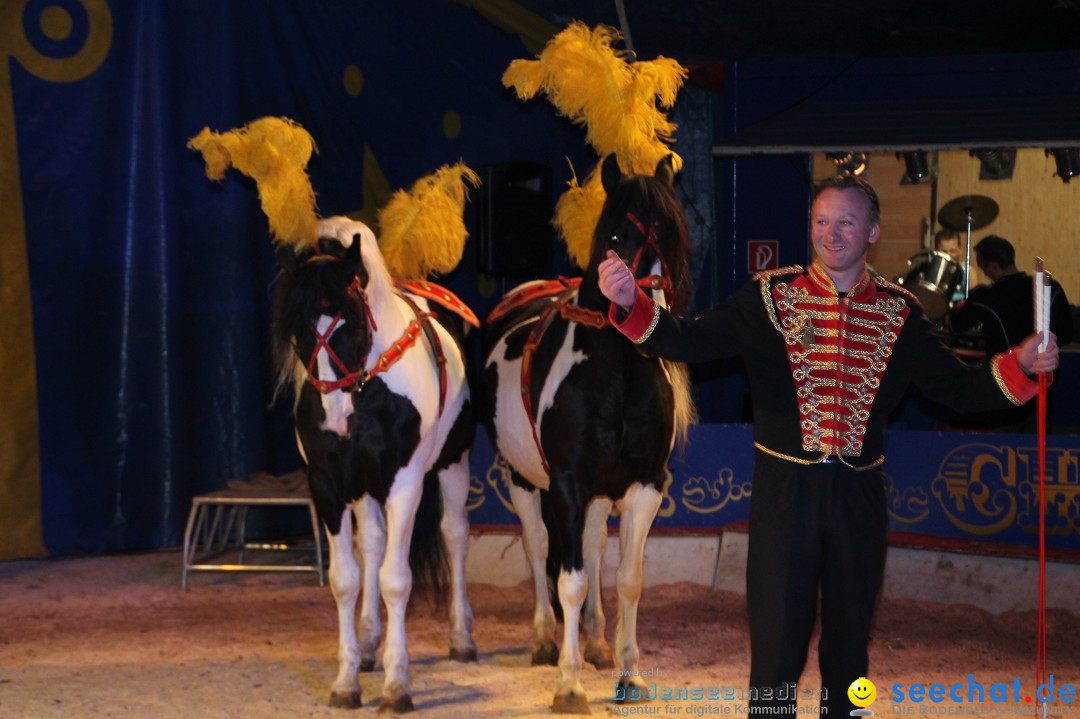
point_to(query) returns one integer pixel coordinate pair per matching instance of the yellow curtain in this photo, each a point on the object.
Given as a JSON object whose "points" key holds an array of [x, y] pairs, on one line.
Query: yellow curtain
{"points": [[20, 467]]}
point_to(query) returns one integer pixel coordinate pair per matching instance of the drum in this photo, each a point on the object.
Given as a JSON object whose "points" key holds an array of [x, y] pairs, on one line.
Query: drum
{"points": [[932, 277]]}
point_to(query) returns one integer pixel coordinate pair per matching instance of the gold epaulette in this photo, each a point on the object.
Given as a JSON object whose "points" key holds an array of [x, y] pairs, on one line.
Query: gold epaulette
{"points": [[769, 274], [764, 280], [906, 293]]}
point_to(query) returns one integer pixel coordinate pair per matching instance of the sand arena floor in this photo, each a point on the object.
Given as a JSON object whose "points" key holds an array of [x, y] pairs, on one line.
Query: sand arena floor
{"points": [[116, 637]]}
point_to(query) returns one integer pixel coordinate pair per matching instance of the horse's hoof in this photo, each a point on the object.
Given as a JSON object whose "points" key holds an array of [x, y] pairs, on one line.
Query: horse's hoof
{"points": [[345, 700], [630, 692], [545, 655], [599, 656], [463, 655], [399, 705], [571, 703], [367, 665]]}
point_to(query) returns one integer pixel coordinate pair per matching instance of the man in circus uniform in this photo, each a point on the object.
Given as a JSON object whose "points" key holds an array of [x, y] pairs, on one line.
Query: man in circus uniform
{"points": [[830, 351]]}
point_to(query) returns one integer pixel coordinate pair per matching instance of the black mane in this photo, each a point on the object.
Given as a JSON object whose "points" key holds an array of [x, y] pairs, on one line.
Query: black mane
{"points": [[313, 283], [649, 198]]}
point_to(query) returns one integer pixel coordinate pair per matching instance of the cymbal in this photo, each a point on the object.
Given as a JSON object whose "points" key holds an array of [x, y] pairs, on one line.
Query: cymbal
{"points": [[954, 214]]}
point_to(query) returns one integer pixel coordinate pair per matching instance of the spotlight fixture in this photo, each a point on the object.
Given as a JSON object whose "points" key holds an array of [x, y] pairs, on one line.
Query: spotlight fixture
{"points": [[995, 164], [1068, 161], [916, 167], [850, 163]]}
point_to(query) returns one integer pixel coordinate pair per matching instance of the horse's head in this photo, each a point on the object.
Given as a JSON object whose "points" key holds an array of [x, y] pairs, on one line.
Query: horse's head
{"points": [[327, 279], [642, 221]]}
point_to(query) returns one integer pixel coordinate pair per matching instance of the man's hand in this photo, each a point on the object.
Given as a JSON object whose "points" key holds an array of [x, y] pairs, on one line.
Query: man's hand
{"points": [[1032, 361], [617, 282]]}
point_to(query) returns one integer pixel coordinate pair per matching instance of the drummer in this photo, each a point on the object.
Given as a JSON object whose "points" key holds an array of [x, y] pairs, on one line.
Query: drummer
{"points": [[949, 242]]}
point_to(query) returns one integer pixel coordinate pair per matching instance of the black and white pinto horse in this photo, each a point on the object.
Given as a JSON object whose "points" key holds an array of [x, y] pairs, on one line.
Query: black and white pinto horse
{"points": [[384, 423], [578, 411]]}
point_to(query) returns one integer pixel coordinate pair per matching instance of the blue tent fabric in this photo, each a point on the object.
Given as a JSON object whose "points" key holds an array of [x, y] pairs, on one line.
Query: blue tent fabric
{"points": [[151, 284]]}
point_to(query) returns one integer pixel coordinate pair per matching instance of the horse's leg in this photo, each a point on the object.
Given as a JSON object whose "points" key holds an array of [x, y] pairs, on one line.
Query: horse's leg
{"points": [[395, 583], [372, 530], [454, 483], [570, 696], [345, 585], [567, 524], [535, 538], [637, 510], [597, 650]]}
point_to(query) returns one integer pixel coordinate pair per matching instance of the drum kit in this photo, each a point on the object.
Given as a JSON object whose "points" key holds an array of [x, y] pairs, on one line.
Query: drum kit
{"points": [[933, 276]]}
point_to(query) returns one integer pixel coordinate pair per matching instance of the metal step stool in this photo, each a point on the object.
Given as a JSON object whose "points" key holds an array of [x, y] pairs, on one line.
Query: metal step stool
{"points": [[216, 528]]}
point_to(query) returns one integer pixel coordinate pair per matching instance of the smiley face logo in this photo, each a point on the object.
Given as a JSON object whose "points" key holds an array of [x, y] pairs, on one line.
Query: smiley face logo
{"points": [[862, 692]]}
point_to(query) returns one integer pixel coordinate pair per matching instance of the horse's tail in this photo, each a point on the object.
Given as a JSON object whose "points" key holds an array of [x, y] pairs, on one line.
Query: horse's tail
{"points": [[685, 411], [427, 551]]}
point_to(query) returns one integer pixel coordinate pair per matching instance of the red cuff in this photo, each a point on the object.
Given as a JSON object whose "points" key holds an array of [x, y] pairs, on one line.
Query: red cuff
{"points": [[1016, 385], [640, 322]]}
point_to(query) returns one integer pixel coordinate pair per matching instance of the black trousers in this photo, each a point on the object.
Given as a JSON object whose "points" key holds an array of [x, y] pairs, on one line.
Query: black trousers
{"points": [[818, 529]]}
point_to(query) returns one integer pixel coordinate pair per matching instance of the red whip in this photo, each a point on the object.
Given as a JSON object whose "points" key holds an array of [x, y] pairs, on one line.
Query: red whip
{"points": [[1041, 292]]}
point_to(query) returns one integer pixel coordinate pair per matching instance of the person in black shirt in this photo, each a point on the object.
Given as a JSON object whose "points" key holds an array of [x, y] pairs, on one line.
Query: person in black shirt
{"points": [[1004, 313], [1005, 309]]}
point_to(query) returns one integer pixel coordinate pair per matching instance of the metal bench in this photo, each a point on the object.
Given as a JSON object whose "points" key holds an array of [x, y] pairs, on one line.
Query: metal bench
{"points": [[216, 528]]}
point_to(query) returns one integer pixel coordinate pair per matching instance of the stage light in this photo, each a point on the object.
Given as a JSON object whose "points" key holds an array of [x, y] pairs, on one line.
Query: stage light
{"points": [[1068, 161], [995, 164], [916, 167], [850, 163]]}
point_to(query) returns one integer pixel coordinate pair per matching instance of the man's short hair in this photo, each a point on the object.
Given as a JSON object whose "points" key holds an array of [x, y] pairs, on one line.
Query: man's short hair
{"points": [[946, 236], [851, 182], [997, 250]]}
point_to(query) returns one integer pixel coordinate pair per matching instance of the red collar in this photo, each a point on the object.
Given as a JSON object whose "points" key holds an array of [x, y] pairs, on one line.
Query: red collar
{"points": [[820, 278]]}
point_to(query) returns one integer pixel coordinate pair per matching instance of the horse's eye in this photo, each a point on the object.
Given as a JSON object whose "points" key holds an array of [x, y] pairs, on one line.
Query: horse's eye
{"points": [[614, 239]]}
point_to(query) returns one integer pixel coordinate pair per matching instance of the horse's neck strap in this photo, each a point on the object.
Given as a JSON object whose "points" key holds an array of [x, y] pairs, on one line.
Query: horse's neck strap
{"points": [[397, 350], [583, 315]]}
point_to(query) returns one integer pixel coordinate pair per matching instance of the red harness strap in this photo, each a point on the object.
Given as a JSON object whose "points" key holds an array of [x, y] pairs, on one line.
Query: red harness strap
{"points": [[322, 342], [656, 281], [438, 293], [529, 292], [355, 380], [566, 288], [436, 346], [571, 312], [531, 343]]}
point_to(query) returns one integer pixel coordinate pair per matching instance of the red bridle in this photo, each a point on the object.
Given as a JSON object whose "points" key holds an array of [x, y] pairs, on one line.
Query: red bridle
{"points": [[355, 380], [654, 282]]}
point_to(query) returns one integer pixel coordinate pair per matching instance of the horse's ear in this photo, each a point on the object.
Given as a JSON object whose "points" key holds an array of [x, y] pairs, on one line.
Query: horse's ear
{"points": [[665, 170], [286, 257], [352, 255], [610, 174]]}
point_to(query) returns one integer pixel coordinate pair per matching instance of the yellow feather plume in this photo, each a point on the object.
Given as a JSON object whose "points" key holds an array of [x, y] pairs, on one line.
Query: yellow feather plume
{"points": [[274, 152], [422, 231], [576, 214], [594, 85]]}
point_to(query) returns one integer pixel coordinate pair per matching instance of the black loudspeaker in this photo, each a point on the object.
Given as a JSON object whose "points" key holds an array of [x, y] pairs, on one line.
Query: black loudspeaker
{"points": [[515, 210]]}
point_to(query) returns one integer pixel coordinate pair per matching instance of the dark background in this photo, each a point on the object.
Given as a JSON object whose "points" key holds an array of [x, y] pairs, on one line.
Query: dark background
{"points": [[150, 284]]}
